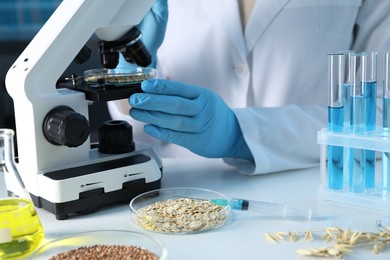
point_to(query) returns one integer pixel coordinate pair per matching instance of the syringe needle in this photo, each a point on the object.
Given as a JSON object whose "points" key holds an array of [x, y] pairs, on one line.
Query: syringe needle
{"points": [[272, 209]]}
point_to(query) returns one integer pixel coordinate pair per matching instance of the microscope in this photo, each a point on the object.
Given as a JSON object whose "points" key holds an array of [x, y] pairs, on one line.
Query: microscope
{"points": [[62, 170]]}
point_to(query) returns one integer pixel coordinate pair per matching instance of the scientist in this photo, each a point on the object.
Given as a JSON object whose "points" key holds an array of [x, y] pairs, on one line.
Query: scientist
{"points": [[246, 80]]}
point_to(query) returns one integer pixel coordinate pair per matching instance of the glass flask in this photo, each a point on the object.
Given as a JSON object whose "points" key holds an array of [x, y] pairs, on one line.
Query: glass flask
{"points": [[21, 231]]}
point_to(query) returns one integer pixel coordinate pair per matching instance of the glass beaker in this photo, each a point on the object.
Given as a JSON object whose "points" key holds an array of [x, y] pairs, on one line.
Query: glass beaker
{"points": [[21, 231]]}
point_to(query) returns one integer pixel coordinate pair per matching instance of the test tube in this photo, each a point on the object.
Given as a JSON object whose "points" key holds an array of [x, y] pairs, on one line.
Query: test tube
{"points": [[335, 119], [386, 123], [370, 89], [358, 118], [345, 92], [357, 158]]}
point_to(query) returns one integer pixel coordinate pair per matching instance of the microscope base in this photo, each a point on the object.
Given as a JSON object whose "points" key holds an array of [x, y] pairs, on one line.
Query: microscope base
{"points": [[85, 189], [97, 199]]}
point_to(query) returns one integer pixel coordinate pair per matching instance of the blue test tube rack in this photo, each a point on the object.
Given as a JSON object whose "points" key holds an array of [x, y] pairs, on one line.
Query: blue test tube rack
{"points": [[375, 198]]}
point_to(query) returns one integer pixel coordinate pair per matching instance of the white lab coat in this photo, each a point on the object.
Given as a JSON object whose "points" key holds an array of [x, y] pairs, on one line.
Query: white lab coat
{"points": [[274, 75]]}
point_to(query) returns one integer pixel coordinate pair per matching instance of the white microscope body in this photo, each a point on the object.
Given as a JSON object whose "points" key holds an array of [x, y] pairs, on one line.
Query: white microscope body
{"points": [[75, 179]]}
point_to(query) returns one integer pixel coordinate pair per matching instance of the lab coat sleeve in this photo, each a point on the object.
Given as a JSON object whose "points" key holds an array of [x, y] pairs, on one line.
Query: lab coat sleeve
{"points": [[283, 144], [372, 27], [372, 34]]}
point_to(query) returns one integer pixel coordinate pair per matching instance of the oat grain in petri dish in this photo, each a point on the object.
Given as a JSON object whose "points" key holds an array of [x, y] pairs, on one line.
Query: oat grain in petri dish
{"points": [[179, 210]]}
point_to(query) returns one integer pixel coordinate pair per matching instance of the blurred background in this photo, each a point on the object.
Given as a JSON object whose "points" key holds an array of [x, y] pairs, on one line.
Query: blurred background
{"points": [[20, 20]]}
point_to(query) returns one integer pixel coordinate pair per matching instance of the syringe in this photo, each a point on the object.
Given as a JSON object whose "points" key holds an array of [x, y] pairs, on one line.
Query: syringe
{"points": [[267, 208]]}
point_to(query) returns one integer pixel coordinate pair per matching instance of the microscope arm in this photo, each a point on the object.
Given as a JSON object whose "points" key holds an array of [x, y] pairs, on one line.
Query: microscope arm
{"points": [[31, 81]]}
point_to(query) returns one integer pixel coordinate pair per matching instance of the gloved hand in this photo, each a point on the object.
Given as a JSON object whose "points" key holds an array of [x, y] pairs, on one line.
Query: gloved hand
{"points": [[189, 116], [153, 27]]}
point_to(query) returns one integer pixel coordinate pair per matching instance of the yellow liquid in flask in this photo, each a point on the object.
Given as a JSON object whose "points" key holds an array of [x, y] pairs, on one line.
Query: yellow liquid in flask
{"points": [[21, 231]]}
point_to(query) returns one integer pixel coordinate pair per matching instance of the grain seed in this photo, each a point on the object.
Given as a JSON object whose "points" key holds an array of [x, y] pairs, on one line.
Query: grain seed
{"points": [[181, 215], [112, 252], [344, 241]]}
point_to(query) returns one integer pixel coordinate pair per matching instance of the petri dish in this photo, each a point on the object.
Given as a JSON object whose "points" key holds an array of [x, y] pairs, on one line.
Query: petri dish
{"points": [[124, 243], [179, 210], [119, 76]]}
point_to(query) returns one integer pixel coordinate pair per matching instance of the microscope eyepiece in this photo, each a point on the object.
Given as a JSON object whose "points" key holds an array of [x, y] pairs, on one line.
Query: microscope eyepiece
{"points": [[130, 45]]}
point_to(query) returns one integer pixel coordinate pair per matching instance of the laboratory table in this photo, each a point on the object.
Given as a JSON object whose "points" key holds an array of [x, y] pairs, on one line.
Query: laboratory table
{"points": [[243, 237]]}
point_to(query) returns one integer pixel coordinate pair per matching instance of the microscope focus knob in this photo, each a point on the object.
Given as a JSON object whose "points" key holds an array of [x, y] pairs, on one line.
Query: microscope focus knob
{"points": [[115, 137], [64, 126]]}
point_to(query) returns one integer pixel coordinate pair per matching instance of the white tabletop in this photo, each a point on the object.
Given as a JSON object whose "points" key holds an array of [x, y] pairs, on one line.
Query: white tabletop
{"points": [[244, 236]]}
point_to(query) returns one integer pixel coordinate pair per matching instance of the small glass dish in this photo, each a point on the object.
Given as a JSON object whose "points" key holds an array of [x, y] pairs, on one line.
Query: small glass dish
{"points": [[180, 210], [124, 242], [119, 76], [383, 224]]}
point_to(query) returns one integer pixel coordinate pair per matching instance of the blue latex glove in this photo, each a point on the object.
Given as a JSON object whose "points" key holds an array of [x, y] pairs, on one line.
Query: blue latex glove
{"points": [[189, 116], [153, 27]]}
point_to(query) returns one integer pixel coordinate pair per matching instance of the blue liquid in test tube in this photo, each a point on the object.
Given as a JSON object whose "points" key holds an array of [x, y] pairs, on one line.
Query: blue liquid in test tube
{"points": [[335, 153], [346, 101], [386, 124], [386, 155], [357, 156], [370, 90]]}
